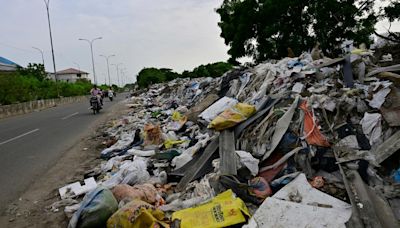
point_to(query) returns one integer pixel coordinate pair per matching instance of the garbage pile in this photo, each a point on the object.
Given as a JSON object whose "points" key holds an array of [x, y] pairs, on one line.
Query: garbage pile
{"points": [[298, 142]]}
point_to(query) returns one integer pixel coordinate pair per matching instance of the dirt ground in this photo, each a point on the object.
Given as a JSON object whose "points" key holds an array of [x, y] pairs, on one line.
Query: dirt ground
{"points": [[32, 208]]}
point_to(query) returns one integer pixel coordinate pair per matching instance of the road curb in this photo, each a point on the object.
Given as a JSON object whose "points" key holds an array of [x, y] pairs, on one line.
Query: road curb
{"points": [[32, 106]]}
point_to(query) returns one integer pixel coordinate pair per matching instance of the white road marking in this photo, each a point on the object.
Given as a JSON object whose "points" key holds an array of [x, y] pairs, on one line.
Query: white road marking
{"points": [[73, 114], [19, 136]]}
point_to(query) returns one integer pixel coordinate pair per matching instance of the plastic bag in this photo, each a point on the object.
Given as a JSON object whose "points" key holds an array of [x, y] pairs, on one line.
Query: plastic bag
{"points": [[168, 144], [249, 161], [312, 133], [137, 214], [136, 177], [177, 123], [222, 104], [232, 116], [97, 206], [129, 172], [152, 134], [224, 210]]}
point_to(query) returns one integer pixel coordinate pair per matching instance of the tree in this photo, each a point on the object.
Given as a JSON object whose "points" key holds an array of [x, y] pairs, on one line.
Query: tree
{"points": [[392, 13], [148, 76], [33, 70], [264, 29]]}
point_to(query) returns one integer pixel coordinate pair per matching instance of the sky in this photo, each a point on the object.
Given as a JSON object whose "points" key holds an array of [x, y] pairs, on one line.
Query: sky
{"points": [[176, 34]]}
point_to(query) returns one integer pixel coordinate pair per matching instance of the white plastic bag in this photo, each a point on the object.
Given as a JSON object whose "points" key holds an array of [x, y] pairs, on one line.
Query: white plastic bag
{"points": [[219, 106]]}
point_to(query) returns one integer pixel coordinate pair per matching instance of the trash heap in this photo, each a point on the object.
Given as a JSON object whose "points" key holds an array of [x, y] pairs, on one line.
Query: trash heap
{"points": [[290, 143]]}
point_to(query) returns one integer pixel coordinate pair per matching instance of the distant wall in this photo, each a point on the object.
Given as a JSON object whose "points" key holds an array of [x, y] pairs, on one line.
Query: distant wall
{"points": [[31, 106]]}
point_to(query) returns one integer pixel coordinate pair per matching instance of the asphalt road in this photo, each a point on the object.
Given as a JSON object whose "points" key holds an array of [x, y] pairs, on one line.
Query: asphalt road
{"points": [[31, 143]]}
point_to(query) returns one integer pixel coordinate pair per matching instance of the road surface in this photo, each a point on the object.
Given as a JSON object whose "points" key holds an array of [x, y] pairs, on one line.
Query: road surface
{"points": [[31, 143]]}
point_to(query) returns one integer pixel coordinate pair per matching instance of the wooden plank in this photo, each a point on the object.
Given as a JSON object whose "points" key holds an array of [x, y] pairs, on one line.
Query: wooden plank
{"points": [[240, 128], [227, 153], [208, 152], [387, 148]]}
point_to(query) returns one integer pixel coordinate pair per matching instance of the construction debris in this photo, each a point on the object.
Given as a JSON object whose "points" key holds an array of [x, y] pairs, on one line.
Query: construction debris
{"points": [[299, 142]]}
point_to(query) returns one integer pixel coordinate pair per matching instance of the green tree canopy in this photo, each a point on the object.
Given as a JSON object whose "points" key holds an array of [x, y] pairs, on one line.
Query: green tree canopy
{"points": [[33, 70], [264, 29], [148, 76]]}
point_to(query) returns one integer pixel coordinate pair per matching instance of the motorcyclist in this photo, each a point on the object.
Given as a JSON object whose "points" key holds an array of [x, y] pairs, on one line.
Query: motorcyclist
{"points": [[96, 92], [110, 92]]}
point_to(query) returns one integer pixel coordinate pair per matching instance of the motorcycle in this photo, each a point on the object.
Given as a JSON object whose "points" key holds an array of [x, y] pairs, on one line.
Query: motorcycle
{"points": [[111, 96], [95, 104]]}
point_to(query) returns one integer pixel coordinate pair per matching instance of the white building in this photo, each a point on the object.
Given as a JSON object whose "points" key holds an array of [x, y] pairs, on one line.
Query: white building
{"points": [[71, 75]]}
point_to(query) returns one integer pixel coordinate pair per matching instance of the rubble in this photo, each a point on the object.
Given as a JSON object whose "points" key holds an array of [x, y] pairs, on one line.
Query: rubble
{"points": [[288, 143]]}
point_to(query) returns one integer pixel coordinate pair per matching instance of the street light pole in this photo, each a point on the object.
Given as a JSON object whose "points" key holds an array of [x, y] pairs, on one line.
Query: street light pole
{"points": [[41, 52], [47, 2], [108, 67], [117, 65], [124, 76], [91, 50]]}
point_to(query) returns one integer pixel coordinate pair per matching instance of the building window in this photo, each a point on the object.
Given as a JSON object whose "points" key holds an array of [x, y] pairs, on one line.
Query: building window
{"points": [[78, 75]]}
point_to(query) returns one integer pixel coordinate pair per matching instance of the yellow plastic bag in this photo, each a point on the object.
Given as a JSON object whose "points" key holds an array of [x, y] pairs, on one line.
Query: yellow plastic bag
{"points": [[170, 143], [137, 214], [176, 116], [177, 121], [232, 116], [224, 210]]}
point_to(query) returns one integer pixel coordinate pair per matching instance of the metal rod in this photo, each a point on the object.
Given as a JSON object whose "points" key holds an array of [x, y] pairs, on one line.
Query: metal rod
{"points": [[108, 67], [91, 50], [41, 52]]}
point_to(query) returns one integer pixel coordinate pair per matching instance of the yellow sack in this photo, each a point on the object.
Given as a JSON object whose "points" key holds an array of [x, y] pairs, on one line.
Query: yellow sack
{"points": [[224, 210], [137, 214], [232, 116]]}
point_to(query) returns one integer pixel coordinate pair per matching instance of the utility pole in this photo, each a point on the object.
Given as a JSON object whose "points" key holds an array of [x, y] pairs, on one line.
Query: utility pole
{"points": [[47, 2], [108, 67], [91, 50]]}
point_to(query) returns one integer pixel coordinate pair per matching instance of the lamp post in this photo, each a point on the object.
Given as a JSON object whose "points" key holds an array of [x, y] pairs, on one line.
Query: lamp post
{"points": [[41, 52], [124, 76], [47, 2], [108, 67], [117, 66], [91, 50]]}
